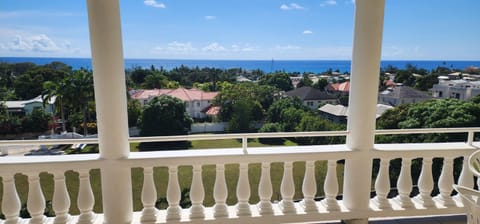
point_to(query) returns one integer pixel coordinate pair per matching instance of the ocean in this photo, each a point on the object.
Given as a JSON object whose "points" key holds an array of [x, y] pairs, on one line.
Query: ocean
{"points": [[315, 66]]}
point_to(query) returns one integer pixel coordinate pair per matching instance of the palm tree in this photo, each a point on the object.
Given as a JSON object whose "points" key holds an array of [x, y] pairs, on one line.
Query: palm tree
{"points": [[56, 90], [80, 90]]}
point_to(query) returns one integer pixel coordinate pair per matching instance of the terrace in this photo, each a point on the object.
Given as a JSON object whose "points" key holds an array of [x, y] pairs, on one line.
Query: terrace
{"points": [[296, 204]]}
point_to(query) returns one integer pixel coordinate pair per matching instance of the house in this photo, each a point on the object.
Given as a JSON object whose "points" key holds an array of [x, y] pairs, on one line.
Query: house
{"points": [[195, 100], [402, 95], [25, 107], [339, 88], [312, 97], [339, 113], [457, 89]]}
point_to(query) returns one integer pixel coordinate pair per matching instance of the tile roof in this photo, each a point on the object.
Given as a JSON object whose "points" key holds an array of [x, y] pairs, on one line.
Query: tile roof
{"points": [[310, 93], [342, 87], [180, 93]]}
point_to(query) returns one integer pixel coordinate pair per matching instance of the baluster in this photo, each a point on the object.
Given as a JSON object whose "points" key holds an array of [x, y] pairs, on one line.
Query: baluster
{"points": [[466, 176], [425, 184], [382, 185], [35, 201], [197, 194], [265, 190], [149, 197], [61, 199], [173, 194], [10, 201], [445, 183], [309, 188], [331, 187], [220, 192], [404, 184], [243, 191], [287, 189], [85, 198]]}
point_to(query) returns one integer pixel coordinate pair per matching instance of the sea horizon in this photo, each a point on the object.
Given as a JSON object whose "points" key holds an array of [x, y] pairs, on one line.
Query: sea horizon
{"points": [[272, 65]]}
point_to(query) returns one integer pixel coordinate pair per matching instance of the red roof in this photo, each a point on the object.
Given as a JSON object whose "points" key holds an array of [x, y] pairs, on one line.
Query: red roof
{"points": [[180, 93], [341, 87], [212, 111]]}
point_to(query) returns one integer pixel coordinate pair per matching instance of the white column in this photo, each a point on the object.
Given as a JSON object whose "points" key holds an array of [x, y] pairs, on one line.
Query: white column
{"points": [[367, 44], [111, 105]]}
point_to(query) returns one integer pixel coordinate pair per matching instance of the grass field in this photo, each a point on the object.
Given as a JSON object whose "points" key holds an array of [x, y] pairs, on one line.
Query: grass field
{"points": [[185, 177]]}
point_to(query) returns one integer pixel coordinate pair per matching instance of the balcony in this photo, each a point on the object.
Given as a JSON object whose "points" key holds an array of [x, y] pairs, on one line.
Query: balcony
{"points": [[296, 204]]}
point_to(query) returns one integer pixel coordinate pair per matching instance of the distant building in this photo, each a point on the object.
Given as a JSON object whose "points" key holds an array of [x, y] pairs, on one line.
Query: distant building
{"points": [[339, 88], [312, 97], [339, 113], [25, 107], [196, 101], [457, 89], [402, 95]]}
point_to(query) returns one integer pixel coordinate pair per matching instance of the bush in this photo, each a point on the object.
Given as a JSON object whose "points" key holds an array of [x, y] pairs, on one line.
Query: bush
{"points": [[271, 127]]}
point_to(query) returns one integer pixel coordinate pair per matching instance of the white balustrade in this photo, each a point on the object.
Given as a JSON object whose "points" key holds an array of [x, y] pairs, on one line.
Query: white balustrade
{"points": [[243, 191], [425, 184], [220, 192], [466, 176], [331, 187], [173, 194], [445, 183], [287, 189], [309, 188], [197, 194], [382, 185], [86, 199], [36, 200], [61, 199], [265, 190], [149, 197], [10, 200], [404, 184]]}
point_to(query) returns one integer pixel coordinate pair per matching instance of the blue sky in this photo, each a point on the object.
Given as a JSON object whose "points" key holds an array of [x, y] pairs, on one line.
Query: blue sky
{"points": [[240, 29]]}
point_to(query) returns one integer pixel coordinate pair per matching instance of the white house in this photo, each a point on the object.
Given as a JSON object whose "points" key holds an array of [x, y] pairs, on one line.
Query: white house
{"points": [[25, 107], [196, 101], [457, 89]]}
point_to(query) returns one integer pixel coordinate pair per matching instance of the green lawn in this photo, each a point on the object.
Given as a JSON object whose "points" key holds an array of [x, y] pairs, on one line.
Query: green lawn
{"points": [[185, 177]]}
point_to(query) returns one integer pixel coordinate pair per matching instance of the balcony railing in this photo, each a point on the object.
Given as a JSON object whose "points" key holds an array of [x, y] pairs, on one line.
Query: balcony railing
{"points": [[294, 205]]}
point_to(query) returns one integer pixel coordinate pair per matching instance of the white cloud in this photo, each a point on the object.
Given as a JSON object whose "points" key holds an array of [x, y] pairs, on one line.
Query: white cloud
{"points": [[287, 47], [214, 47], [37, 43], [210, 17], [291, 6], [238, 48], [307, 32], [328, 3], [177, 47], [154, 3]]}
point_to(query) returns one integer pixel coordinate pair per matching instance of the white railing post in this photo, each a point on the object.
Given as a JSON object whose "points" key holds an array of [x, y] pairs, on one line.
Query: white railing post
{"points": [[173, 194], [309, 188], [331, 187], [36, 200], [149, 197], [86, 199], [111, 108], [10, 200], [382, 185], [197, 194], [265, 190], [243, 191], [61, 199], [367, 44], [425, 184], [466, 176], [445, 183], [404, 184], [220, 192], [287, 189]]}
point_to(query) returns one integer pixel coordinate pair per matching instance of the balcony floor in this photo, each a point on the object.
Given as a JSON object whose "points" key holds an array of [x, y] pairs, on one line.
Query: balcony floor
{"points": [[452, 219]]}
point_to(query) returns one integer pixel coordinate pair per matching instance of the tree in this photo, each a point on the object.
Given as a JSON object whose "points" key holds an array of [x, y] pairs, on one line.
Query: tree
{"points": [[57, 90], [305, 81], [163, 116], [134, 112], [28, 86], [311, 122], [321, 84], [278, 80], [37, 121], [275, 110], [271, 127], [155, 80], [79, 92]]}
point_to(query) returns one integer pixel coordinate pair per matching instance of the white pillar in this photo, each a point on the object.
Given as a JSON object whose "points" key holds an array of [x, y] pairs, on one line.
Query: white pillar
{"points": [[367, 43], [111, 103]]}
